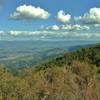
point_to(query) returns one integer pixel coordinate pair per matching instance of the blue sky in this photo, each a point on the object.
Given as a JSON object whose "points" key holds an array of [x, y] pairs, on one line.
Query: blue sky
{"points": [[61, 16]]}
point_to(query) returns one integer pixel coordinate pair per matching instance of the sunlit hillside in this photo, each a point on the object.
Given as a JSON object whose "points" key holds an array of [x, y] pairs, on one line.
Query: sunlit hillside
{"points": [[72, 76]]}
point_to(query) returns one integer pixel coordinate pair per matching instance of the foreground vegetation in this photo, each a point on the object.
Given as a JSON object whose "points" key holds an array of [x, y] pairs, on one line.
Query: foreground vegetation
{"points": [[72, 76]]}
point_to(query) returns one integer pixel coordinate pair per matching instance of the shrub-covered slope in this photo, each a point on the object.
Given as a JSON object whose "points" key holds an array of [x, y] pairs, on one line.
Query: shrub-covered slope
{"points": [[72, 76]]}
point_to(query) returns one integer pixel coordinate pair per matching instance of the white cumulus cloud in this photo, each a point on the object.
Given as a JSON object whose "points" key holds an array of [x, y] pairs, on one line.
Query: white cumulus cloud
{"points": [[54, 27], [62, 17], [29, 12], [92, 17], [75, 27]]}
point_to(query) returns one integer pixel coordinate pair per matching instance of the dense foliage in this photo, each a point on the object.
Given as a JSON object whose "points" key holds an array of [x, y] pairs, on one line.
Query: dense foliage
{"points": [[72, 76]]}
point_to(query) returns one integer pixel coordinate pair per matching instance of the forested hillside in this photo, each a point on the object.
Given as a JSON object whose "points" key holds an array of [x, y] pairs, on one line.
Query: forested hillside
{"points": [[91, 55], [72, 76]]}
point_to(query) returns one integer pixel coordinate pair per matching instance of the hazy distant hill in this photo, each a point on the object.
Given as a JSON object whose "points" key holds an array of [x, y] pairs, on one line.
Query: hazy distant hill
{"points": [[18, 54]]}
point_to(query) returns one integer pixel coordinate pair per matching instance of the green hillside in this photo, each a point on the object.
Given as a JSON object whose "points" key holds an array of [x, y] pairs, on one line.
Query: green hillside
{"points": [[72, 76], [90, 55]]}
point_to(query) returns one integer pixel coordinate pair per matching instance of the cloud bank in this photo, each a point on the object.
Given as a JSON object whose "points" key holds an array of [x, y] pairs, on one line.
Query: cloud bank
{"points": [[13, 35], [68, 27]]}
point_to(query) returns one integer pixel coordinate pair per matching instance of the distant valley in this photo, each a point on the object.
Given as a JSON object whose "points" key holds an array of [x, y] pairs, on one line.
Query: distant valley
{"points": [[18, 54]]}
